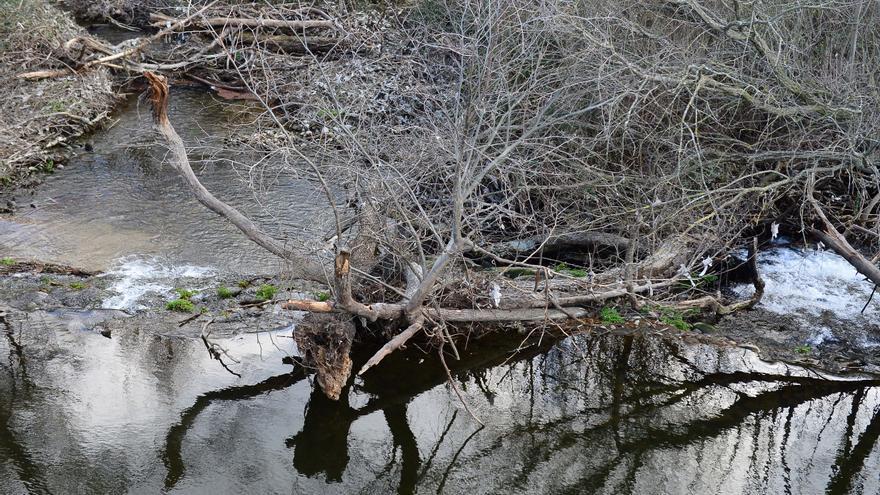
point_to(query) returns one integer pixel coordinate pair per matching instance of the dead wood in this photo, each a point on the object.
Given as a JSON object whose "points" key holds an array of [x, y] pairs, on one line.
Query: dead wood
{"points": [[324, 342], [712, 303], [300, 266], [123, 54], [160, 20], [836, 241]]}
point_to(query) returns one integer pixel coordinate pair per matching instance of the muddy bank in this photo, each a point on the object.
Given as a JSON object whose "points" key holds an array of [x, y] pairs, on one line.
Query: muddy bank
{"points": [[40, 120]]}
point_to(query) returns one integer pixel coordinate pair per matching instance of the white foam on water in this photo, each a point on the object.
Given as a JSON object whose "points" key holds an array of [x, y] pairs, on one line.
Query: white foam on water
{"points": [[811, 282], [137, 277], [822, 335]]}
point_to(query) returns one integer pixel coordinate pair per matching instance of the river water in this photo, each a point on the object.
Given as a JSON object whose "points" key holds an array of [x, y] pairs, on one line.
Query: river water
{"points": [[120, 201], [145, 412], [142, 413]]}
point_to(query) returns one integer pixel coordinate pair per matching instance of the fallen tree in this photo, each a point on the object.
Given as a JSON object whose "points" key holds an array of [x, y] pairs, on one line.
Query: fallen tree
{"points": [[556, 164]]}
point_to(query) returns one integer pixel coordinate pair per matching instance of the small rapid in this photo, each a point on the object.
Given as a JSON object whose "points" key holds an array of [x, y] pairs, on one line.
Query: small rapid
{"points": [[135, 277], [821, 291]]}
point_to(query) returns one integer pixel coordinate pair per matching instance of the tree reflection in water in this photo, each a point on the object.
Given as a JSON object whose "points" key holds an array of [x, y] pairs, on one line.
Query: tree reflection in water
{"points": [[625, 413]]}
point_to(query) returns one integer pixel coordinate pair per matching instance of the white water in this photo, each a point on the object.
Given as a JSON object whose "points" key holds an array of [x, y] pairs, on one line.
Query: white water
{"points": [[134, 278], [811, 282]]}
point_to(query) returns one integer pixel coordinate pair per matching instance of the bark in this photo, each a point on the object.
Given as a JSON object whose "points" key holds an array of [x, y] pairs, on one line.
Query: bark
{"points": [[298, 25], [836, 241], [300, 267]]}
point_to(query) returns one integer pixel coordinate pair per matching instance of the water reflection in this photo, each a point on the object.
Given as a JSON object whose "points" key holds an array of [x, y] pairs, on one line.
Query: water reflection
{"points": [[589, 414]]}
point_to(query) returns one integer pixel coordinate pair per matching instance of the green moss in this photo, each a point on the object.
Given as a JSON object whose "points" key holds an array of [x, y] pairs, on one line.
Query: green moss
{"points": [[77, 285], [185, 294], [244, 284], [266, 292], [181, 305], [519, 272], [610, 316], [674, 318], [7, 261], [574, 272], [224, 292], [803, 349]]}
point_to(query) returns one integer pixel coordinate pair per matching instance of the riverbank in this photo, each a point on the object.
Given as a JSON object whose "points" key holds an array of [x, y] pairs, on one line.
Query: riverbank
{"points": [[188, 302], [41, 120]]}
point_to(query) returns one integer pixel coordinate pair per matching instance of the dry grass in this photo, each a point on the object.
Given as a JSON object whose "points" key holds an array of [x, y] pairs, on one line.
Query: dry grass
{"points": [[37, 118]]}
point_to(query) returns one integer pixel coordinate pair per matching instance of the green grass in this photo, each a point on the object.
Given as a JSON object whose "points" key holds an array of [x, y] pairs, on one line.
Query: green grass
{"points": [[181, 305], [224, 292], [803, 349], [266, 292], [7, 261], [322, 296], [610, 316], [77, 285], [185, 294]]}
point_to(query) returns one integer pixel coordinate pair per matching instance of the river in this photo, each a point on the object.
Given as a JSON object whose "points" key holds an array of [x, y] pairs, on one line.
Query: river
{"points": [[148, 411]]}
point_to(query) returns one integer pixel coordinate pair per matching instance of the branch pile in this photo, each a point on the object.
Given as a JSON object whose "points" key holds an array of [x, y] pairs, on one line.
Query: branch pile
{"points": [[565, 155]]}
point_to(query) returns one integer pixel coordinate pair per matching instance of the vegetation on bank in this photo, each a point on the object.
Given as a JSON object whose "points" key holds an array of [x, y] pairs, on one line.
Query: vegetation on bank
{"points": [[40, 120]]}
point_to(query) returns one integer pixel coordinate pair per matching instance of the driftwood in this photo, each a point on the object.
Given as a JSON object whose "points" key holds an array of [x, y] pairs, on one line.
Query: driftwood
{"points": [[159, 20], [836, 241], [128, 52], [300, 266], [569, 241]]}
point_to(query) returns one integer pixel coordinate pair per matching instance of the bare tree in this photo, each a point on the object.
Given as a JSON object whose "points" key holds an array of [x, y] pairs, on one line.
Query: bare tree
{"points": [[603, 149]]}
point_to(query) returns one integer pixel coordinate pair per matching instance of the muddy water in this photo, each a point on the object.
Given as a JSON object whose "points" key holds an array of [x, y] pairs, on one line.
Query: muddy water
{"points": [[119, 200], [142, 413]]}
